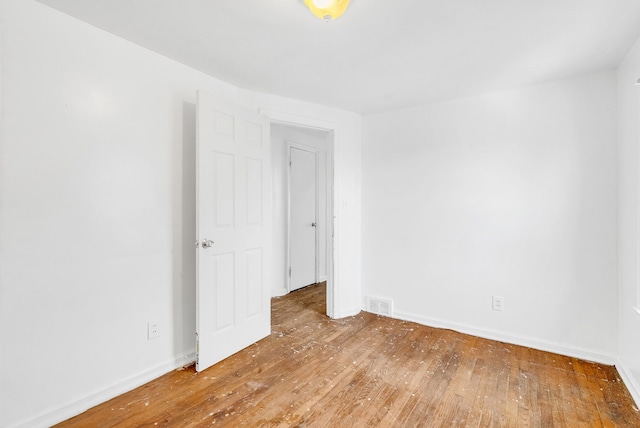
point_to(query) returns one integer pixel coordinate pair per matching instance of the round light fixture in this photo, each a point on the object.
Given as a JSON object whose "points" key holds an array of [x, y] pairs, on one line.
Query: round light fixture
{"points": [[327, 9]]}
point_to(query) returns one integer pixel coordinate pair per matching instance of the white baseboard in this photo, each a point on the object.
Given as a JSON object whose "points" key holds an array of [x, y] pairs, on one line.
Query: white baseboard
{"points": [[53, 416], [279, 292], [556, 348], [56, 415], [282, 291], [344, 313], [630, 382]]}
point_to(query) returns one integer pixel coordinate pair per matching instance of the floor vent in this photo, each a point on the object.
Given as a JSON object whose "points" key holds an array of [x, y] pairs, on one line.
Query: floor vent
{"points": [[379, 306]]}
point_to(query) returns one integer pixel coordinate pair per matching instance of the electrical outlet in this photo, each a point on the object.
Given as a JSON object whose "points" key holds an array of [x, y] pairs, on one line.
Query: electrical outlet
{"points": [[153, 330], [498, 303]]}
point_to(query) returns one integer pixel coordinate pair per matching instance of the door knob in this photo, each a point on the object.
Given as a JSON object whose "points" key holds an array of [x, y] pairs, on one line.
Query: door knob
{"points": [[207, 243], [314, 224]]}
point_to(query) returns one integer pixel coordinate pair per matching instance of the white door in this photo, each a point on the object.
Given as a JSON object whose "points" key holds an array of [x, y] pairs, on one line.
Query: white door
{"points": [[303, 197], [233, 226]]}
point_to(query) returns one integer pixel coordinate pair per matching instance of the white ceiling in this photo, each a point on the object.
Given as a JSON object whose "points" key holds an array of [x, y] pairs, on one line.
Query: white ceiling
{"points": [[382, 54]]}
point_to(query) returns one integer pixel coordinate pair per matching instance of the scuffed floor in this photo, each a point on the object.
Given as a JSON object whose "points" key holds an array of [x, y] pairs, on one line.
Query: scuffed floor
{"points": [[369, 370]]}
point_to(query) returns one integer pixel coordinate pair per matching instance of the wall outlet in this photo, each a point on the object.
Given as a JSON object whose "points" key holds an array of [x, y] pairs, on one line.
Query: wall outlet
{"points": [[153, 329], [498, 303]]}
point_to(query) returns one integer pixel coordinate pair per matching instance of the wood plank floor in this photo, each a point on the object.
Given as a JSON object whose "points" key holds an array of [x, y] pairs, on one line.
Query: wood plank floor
{"points": [[374, 371]]}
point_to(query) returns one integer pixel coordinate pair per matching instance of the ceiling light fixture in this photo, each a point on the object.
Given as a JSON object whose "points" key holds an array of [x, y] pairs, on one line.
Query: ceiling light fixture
{"points": [[327, 9]]}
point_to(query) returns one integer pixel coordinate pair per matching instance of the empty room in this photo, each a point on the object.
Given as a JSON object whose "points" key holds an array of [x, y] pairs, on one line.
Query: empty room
{"points": [[319, 213]]}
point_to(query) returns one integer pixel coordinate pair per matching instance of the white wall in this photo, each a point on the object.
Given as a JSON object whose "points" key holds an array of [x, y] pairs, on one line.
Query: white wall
{"points": [[510, 194], [97, 209], [629, 235], [281, 135]]}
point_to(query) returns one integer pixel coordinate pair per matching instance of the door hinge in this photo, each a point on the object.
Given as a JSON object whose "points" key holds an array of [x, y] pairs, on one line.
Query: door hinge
{"points": [[289, 271]]}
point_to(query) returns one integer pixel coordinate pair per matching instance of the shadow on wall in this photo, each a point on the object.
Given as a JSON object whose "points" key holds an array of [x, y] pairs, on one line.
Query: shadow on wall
{"points": [[184, 233]]}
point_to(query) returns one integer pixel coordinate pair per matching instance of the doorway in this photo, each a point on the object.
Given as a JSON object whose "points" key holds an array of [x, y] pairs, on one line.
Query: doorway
{"points": [[311, 148]]}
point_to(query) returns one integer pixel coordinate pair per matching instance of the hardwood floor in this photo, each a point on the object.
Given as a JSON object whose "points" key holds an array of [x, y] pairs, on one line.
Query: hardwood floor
{"points": [[374, 371]]}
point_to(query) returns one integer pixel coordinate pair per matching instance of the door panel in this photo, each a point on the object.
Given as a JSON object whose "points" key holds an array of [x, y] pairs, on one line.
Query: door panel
{"points": [[233, 227], [223, 197], [254, 282], [223, 291], [303, 216], [254, 192]]}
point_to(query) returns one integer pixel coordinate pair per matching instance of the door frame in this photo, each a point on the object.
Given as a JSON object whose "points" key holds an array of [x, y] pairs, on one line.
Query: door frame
{"points": [[315, 151], [287, 119]]}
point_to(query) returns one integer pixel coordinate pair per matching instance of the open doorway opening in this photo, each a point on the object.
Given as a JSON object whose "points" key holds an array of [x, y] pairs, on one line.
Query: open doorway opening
{"points": [[302, 165]]}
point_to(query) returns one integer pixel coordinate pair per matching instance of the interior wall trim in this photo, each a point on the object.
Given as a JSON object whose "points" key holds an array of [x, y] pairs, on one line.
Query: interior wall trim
{"points": [[629, 381], [59, 414], [535, 343]]}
